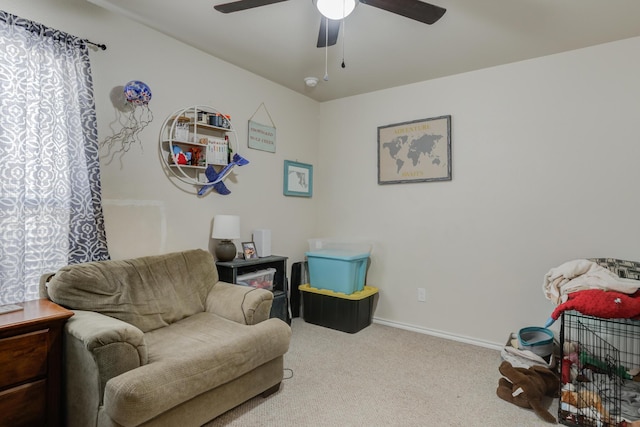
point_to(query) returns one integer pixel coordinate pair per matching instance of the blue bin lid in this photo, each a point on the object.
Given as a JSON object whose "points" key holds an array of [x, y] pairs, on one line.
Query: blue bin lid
{"points": [[335, 254]]}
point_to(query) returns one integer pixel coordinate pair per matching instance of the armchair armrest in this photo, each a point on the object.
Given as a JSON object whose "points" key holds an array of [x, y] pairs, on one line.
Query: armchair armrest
{"points": [[98, 348], [42, 285], [242, 304]]}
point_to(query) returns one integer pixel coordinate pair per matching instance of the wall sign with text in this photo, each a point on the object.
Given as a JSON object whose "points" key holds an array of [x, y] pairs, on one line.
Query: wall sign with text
{"points": [[262, 137]]}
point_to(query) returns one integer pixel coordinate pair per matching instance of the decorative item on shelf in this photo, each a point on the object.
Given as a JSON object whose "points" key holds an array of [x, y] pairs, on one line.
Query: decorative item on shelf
{"points": [[249, 250], [196, 156], [226, 228], [182, 129], [219, 120], [214, 119], [217, 151], [180, 157], [215, 178]]}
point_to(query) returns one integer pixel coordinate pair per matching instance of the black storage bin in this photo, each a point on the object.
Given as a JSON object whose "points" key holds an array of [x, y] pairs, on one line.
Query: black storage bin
{"points": [[279, 306], [346, 313], [299, 276]]}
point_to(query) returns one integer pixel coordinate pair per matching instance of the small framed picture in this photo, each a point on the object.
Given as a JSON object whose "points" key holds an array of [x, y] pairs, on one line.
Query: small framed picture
{"points": [[298, 179], [249, 250]]}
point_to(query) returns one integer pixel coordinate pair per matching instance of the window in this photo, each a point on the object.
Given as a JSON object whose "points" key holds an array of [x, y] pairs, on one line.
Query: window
{"points": [[50, 203]]}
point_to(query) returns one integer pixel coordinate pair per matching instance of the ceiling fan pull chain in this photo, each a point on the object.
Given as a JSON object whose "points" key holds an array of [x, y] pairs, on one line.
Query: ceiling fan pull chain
{"points": [[326, 50], [344, 32]]}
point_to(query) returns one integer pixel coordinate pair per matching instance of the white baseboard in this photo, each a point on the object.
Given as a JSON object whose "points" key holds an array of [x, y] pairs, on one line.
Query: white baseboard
{"points": [[440, 334]]}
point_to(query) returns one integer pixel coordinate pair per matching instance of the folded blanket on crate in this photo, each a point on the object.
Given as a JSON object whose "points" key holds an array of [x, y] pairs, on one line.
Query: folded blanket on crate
{"points": [[583, 274]]}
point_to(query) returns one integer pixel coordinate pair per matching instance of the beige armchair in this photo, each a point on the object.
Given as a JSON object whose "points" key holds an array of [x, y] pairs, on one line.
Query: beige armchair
{"points": [[159, 341]]}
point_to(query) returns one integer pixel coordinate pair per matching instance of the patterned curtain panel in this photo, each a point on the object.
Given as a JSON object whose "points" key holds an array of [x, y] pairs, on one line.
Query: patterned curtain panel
{"points": [[50, 203]]}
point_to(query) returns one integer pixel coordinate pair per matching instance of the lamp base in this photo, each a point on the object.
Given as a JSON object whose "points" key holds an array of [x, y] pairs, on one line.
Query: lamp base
{"points": [[226, 250]]}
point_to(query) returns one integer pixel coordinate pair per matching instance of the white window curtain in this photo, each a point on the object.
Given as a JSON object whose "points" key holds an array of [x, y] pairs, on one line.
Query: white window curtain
{"points": [[50, 202]]}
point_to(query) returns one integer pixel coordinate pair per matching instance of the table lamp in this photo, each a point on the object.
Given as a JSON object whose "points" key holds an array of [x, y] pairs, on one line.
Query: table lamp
{"points": [[226, 228]]}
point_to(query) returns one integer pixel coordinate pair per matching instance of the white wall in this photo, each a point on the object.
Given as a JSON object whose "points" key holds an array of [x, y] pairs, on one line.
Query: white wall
{"points": [[545, 170], [147, 213]]}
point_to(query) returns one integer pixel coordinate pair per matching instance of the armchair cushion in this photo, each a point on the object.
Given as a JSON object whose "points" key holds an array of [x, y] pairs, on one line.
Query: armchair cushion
{"points": [[148, 292], [188, 358]]}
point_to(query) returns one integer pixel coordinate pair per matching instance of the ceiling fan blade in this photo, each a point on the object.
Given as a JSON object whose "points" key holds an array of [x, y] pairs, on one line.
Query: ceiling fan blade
{"points": [[334, 28], [236, 6], [413, 9]]}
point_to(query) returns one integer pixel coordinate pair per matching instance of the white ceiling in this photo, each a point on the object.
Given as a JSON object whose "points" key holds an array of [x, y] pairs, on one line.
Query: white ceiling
{"points": [[382, 50]]}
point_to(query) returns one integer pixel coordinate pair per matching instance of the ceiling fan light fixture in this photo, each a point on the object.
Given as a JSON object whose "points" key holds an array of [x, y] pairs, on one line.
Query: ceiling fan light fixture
{"points": [[336, 9]]}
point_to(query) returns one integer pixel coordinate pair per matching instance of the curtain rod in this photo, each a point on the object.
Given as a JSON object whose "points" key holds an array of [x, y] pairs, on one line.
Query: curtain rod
{"points": [[101, 46], [36, 27]]}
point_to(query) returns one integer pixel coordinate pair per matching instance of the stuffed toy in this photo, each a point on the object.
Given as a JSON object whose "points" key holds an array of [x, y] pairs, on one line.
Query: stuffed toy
{"points": [[526, 388], [585, 399], [597, 365], [179, 156], [570, 362], [600, 303]]}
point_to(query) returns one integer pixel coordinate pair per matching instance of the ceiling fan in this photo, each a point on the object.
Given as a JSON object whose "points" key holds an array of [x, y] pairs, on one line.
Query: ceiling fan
{"points": [[413, 9]]}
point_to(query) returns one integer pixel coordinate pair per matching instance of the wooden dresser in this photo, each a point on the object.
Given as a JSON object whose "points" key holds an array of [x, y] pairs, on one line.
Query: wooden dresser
{"points": [[31, 364]]}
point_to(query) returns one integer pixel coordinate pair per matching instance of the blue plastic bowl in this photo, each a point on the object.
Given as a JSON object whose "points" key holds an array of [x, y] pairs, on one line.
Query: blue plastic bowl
{"points": [[537, 340]]}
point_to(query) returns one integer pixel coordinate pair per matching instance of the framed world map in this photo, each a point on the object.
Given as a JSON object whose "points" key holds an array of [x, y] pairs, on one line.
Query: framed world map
{"points": [[415, 151]]}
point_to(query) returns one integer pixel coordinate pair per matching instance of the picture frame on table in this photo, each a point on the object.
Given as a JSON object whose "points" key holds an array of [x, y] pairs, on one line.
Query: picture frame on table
{"points": [[298, 179], [249, 250]]}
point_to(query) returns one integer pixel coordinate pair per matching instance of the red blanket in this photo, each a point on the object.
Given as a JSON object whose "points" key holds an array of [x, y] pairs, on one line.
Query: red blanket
{"points": [[601, 303]]}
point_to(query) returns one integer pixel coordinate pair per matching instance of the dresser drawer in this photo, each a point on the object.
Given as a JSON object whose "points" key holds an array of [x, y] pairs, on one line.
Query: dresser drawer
{"points": [[24, 405], [23, 357]]}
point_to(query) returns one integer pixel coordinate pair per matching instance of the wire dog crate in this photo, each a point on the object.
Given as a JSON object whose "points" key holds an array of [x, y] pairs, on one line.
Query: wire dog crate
{"points": [[599, 360], [607, 350]]}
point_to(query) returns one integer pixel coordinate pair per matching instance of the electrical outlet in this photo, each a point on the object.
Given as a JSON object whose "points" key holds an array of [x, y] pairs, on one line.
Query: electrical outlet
{"points": [[422, 294]]}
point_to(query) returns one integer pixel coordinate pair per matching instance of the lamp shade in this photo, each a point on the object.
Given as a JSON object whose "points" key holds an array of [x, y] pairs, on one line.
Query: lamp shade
{"points": [[226, 227], [336, 9]]}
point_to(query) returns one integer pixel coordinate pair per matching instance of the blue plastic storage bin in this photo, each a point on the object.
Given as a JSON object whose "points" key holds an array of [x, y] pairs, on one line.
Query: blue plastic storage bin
{"points": [[337, 271]]}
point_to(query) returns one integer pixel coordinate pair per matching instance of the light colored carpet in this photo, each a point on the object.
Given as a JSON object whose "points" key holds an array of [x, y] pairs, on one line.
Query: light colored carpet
{"points": [[383, 376]]}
